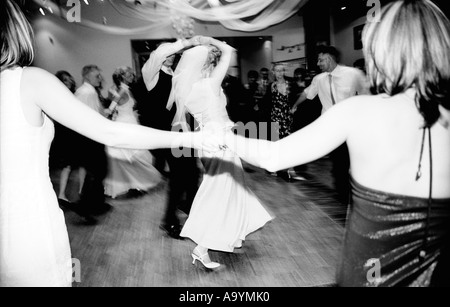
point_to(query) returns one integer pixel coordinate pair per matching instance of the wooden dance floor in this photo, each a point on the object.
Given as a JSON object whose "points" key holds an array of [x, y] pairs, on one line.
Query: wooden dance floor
{"points": [[299, 248]]}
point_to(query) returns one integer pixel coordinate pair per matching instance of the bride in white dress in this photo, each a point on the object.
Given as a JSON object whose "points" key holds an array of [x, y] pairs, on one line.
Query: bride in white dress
{"points": [[128, 169], [224, 210]]}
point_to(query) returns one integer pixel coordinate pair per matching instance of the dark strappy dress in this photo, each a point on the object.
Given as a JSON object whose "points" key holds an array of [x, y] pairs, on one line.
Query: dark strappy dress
{"points": [[396, 240]]}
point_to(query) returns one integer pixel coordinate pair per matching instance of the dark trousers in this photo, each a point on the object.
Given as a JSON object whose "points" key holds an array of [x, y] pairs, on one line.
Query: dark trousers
{"points": [[340, 160], [183, 183], [161, 157], [94, 160]]}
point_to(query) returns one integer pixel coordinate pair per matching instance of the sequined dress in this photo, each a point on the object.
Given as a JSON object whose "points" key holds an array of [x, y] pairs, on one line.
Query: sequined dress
{"points": [[384, 241]]}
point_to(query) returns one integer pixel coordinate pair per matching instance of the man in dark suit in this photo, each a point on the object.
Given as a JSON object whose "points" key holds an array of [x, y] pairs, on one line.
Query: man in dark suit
{"points": [[152, 105]]}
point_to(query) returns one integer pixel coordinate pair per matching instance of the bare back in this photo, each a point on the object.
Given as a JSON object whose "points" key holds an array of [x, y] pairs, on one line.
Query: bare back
{"points": [[385, 146]]}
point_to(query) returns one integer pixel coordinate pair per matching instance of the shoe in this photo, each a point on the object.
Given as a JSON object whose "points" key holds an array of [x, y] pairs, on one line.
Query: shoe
{"points": [[295, 176], [284, 175], [87, 218], [209, 265], [172, 231], [64, 203]]}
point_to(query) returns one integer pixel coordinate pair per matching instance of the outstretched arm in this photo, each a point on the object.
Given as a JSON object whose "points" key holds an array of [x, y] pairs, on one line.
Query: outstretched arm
{"points": [[45, 92], [306, 145], [299, 101]]}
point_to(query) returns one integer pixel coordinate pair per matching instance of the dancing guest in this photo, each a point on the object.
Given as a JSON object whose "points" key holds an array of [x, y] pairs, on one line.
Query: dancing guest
{"points": [[224, 211], [128, 169], [34, 245], [397, 231], [335, 84], [154, 112], [93, 155], [281, 109], [65, 147]]}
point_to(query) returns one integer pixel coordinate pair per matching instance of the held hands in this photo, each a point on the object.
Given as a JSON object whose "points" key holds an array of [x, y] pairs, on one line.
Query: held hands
{"points": [[205, 141], [210, 142], [199, 40]]}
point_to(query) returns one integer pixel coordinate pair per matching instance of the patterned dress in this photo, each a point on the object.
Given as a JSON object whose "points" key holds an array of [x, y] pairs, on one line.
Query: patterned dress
{"points": [[281, 111]]}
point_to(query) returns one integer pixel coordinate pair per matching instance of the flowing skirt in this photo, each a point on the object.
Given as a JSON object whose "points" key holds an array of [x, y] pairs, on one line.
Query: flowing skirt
{"points": [[224, 210], [129, 169]]}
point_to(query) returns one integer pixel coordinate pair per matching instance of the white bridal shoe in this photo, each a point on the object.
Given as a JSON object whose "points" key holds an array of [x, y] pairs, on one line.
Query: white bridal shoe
{"points": [[204, 259]]}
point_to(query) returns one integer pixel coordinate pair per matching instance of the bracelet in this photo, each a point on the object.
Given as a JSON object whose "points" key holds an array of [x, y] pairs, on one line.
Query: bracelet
{"points": [[113, 105]]}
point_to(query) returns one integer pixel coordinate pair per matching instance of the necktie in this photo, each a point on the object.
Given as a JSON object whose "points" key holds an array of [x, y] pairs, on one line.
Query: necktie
{"points": [[330, 78]]}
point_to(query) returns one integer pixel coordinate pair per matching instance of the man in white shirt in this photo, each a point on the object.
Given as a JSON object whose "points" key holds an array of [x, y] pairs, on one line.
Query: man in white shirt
{"points": [[92, 79], [335, 84], [92, 154]]}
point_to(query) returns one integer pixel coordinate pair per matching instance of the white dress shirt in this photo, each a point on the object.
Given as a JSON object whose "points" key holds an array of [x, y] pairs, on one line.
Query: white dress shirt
{"points": [[87, 94], [151, 68], [346, 82]]}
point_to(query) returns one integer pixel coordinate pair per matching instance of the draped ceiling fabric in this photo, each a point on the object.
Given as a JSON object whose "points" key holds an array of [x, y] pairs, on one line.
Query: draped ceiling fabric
{"points": [[239, 15]]}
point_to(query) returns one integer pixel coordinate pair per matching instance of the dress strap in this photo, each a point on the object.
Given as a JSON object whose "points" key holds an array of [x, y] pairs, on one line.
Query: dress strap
{"points": [[430, 195]]}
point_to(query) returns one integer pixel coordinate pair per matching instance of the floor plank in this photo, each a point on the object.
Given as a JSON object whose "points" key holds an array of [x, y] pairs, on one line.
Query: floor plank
{"points": [[299, 248]]}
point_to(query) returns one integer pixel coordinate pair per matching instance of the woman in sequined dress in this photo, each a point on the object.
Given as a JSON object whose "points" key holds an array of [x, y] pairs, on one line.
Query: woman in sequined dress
{"points": [[398, 226]]}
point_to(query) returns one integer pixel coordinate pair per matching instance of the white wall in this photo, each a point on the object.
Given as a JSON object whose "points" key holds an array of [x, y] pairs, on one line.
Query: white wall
{"points": [[63, 46], [69, 46]]}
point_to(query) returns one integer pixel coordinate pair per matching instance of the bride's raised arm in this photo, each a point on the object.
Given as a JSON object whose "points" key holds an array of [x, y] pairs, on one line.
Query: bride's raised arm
{"points": [[220, 71]]}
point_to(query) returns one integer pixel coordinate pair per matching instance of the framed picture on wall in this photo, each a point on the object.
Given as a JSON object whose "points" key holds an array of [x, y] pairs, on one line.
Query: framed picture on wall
{"points": [[357, 37]]}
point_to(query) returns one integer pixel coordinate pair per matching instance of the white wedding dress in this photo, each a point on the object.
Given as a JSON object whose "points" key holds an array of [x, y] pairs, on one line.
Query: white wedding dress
{"points": [[224, 210], [129, 169]]}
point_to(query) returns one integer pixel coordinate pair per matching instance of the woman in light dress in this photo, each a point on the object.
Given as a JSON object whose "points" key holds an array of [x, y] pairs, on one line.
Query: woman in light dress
{"points": [[128, 169], [224, 210], [34, 244]]}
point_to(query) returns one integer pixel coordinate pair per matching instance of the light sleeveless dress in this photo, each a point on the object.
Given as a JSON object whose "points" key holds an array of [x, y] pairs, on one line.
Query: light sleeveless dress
{"points": [[129, 168], [224, 210], [34, 244]]}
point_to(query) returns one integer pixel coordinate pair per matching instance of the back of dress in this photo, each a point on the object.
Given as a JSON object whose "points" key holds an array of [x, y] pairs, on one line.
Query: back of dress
{"points": [[207, 107], [34, 245]]}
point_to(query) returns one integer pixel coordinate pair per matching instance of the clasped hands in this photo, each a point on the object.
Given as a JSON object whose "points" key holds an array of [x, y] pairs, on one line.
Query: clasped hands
{"points": [[211, 141], [199, 40]]}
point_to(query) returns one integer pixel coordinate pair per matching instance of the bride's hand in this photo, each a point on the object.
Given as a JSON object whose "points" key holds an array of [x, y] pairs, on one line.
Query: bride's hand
{"points": [[206, 141], [198, 40]]}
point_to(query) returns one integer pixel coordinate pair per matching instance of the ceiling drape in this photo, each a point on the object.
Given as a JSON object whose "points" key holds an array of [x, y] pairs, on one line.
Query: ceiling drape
{"points": [[181, 15]]}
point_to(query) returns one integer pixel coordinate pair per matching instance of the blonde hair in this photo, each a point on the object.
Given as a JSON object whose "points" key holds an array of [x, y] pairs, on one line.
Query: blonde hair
{"points": [[410, 48], [17, 37], [119, 74], [213, 59]]}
